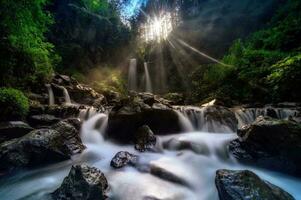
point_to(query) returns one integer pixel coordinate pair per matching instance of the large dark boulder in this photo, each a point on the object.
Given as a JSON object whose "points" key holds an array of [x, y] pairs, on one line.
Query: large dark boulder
{"points": [[13, 129], [126, 119], [245, 185], [145, 139], [270, 143], [41, 146], [123, 158], [82, 183]]}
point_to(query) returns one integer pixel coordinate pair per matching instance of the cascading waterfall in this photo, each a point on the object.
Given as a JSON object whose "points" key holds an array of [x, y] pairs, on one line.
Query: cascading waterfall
{"points": [[196, 118], [50, 94], [148, 83], [194, 164], [132, 75], [66, 95], [249, 115]]}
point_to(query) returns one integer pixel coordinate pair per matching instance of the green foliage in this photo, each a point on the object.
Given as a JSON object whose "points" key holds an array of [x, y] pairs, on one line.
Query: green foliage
{"points": [[26, 57], [266, 67], [285, 79], [13, 104]]}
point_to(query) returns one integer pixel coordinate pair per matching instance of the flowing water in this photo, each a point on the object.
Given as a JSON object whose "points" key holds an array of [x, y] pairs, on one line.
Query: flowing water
{"points": [[196, 166], [50, 94], [132, 75], [66, 95], [148, 83], [249, 115]]}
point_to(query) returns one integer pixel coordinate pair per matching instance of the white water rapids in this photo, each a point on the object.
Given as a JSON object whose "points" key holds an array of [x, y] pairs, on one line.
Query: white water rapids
{"points": [[196, 167]]}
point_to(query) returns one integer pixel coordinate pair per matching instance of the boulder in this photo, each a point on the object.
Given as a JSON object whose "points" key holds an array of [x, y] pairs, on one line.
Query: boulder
{"points": [[175, 98], [59, 111], [125, 120], [82, 183], [42, 120], [41, 146], [84, 94], [270, 143], [245, 185], [75, 122], [145, 139], [222, 115], [123, 158], [13, 129]]}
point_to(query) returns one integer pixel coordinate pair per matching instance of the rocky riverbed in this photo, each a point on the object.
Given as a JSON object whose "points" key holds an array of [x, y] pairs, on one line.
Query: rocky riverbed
{"points": [[85, 145]]}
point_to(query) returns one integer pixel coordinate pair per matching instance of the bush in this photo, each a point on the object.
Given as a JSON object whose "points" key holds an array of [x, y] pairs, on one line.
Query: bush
{"points": [[285, 81], [13, 104]]}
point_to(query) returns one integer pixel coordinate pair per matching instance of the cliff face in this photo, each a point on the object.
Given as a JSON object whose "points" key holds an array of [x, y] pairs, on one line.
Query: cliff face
{"points": [[213, 25], [84, 37]]}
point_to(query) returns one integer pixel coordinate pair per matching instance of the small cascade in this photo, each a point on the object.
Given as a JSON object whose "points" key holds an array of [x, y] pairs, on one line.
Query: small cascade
{"points": [[50, 94], [185, 122], [87, 113], [200, 120], [249, 115], [66, 95], [132, 75], [93, 129], [148, 83]]}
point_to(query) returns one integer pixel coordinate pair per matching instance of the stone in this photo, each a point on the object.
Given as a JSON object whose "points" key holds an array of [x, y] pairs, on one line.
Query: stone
{"points": [[13, 129], [123, 158], [145, 139], [82, 183], [246, 185], [42, 120], [39, 147], [270, 143]]}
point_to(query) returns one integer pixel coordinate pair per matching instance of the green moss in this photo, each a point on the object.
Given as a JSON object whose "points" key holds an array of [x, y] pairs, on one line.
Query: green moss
{"points": [[14, 104]]}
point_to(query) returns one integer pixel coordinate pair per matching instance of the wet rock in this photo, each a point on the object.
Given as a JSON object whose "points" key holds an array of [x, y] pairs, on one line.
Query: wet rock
{"points": [[270, 143], [167, 175], [13, 129], [61, 79], [40, 147], [245, 185], [82, 183], [59, 111], [125, 120], [123, 158], [145, 139], [75, 122], [221, 115], [70, 136], [42, 120], [175, 98], [84, 94]]}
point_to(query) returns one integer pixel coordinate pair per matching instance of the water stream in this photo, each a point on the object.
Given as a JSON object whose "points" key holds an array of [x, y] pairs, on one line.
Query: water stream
{"points": [[132, 75], [148, 83], [196, 166], [66, 95], [50, 94]]}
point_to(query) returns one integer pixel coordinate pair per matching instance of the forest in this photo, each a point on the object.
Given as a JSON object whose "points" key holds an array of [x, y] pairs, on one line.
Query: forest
{"points": [[150, 99]]}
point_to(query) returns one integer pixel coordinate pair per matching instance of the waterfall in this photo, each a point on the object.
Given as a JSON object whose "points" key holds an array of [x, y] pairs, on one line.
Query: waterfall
{"points": [[148, 83], [132, 76], [200, 120], [66, 95], [185, 122], [249, 115], [50, 94], [93, 129]]}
